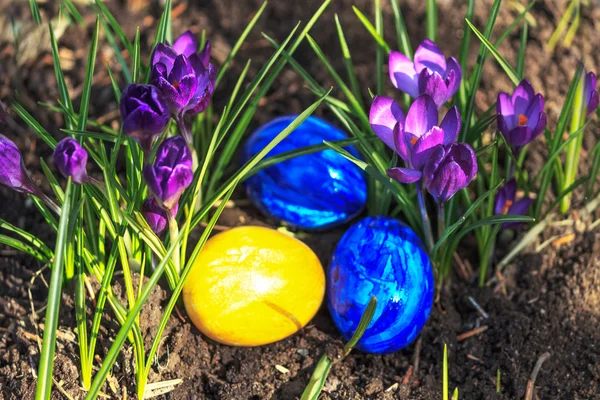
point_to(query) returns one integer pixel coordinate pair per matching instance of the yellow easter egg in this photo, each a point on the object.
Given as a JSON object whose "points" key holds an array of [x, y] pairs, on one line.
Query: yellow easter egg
{"points": [[251, 286]]}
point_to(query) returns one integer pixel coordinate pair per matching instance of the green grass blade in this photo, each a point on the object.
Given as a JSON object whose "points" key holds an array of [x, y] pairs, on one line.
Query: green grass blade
{"points": [[24, 248], [379, 49], [363, 324], [89, 76], [74, 12], [135, 73], [317, 379], [512, 74], [116, 27], [475, 77], [401, 33], [65, 98], [432, 20], [238, 44], [33, 124], [348, 61], [46, 365], [161, 31], [31, 239], [445, 374], [522, 47], [35, 12], [371, 29]]}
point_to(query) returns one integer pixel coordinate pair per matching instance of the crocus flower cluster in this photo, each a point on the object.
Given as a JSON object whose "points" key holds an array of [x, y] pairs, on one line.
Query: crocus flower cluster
{"points": [[427, 147], [590, 93], [171, 173], [521, 117], [184, 76], [430, 73], [182, 83], [506, 202]]}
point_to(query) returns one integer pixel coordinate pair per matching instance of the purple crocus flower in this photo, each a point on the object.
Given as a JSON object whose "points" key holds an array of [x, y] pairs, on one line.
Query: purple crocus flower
{"points": [[71, 160], [449, 169], [145, 114], [415, 136], [184, 76], [171, 173], [430, 73], [506, 203], [155, 215], [12, 168], [521, 117], [590, 93]]}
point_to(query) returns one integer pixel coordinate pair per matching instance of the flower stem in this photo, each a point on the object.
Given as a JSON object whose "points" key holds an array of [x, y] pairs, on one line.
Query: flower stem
{"points": [[174, 233], [441, 220], [425, 216], [48, 201]]}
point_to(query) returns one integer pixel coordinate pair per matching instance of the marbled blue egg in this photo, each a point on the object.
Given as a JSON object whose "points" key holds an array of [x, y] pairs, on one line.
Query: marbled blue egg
{"points": [[381, 257], [313, 191]]}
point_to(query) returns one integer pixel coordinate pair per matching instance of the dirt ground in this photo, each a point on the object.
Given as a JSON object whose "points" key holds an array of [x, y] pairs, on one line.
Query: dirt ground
{"points": [[546, 301]]}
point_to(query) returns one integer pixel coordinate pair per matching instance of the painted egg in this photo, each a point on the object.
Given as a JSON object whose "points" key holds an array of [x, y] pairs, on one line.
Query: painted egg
{"points": [[313, 191], [251, 286], [381, 257]]}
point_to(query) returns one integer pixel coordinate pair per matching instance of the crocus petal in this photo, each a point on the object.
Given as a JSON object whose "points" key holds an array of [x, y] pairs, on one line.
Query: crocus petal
{"points": [[453, 76], [451, 125], [447, 181], [434, 85], [402, 73], [155, 215], [422, 149], [522, 96], [12, 168], [204, 55], [592, 103], [71, 159], [400, 142], [385, 113], [465, 156], [204, 91], [533, 111], [404, 175], [520, 207], [540, 126], [422, 116], [519, 137], [429, 56], [186, 44], [165, 55], [180, 178], [504, 105], [152, 181], [503, 126], [500, 201]]}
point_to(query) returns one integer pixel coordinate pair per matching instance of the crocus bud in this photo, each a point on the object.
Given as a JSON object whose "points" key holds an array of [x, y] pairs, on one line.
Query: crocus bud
{"points": [[430, 73], [449, 169], [12, 168], [71, 160], [506, 202], [521, 117], [145, 114], [185, 77], [171, 173], [590, 93], [156, 216], [415, 136]]}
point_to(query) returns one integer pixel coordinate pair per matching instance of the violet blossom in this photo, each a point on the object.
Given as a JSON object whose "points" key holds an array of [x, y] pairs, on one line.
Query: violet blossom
{"points": [[184, 76], [590, 93], [145, 114], [71, 160], [415, 136], [12, 168], [507, 204], [156, 216], [521, 117], [449, 169], [171, 173], [430, 73]]}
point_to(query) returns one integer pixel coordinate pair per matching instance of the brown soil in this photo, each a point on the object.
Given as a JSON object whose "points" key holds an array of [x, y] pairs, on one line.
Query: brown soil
{"points": [[545, 301]]}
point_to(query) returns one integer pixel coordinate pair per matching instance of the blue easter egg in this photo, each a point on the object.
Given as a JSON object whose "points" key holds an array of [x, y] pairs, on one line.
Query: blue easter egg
{"points": [[313, 191], [381, 257]]}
